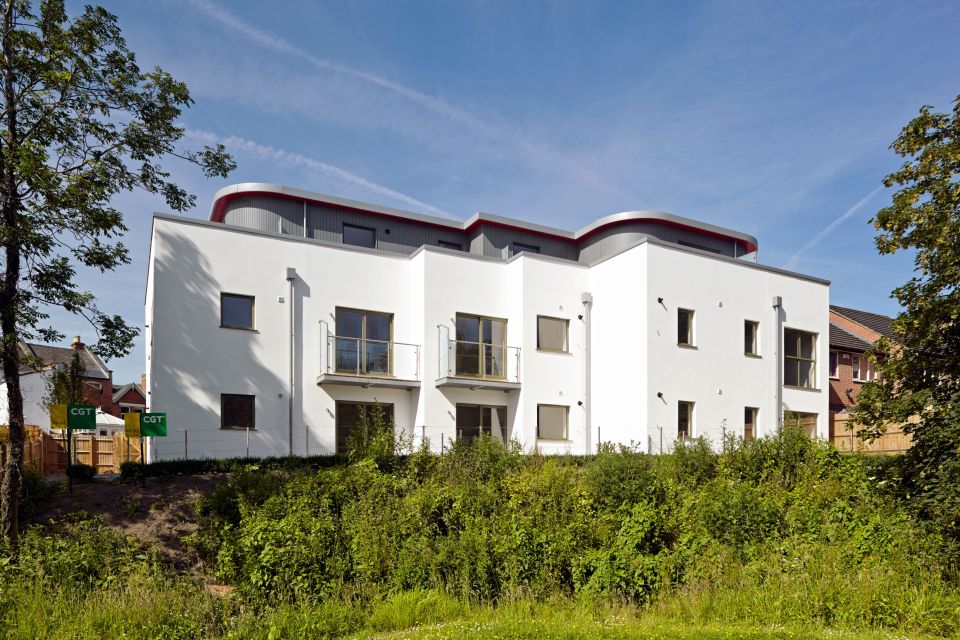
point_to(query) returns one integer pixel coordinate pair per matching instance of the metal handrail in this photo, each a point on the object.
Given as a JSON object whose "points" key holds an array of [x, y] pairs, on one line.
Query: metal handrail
{"points": [[360, 367], [481, 365]]}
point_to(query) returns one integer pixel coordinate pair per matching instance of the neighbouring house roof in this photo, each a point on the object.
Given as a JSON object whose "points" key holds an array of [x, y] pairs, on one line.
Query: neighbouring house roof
{"points": [[121, 390], [50, 355], [873, 321], [840, 338]]}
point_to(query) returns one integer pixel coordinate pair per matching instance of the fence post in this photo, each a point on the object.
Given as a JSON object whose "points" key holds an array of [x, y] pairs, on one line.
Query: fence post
{"points": [[186, 454], [248, 443]]}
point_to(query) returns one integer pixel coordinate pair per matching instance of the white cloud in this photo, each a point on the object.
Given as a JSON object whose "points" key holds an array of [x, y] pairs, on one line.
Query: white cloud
{"points": [[538, 154]]}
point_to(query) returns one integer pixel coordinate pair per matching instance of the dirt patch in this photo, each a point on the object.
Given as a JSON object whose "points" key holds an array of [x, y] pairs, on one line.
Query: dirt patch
{"points": [[161, 514]]}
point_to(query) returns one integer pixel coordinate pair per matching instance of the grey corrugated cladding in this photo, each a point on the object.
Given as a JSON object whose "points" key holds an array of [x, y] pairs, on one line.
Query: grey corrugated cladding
{"points": [[284, 215], [397, 236], [612, 240], [277, 215]]}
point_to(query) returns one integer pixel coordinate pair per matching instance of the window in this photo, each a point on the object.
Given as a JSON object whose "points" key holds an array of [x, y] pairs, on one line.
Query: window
{"points": [[552, 334], [750, 331], [834, 364], [552, 422], [807, 422], [694, 245], [358, 422], [475, 420], [799, 359], [446, 244], [363, 342], [685, 327], [862, 369], [125, 410], [750, 423], [684, 420], [236, 311], [481, 346], [237, 411], [359, 236], [519, 247]]}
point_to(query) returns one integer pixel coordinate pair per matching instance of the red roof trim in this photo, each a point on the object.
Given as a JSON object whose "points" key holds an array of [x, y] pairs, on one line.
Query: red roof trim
{"points": [[220, 206]]}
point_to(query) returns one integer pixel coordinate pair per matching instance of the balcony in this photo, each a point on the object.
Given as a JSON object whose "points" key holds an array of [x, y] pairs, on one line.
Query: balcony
{"points": [[477, 365], [365, 363]]}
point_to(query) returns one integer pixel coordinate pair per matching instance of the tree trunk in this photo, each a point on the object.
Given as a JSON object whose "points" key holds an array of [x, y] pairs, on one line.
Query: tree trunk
{"points": [[10, 348]]}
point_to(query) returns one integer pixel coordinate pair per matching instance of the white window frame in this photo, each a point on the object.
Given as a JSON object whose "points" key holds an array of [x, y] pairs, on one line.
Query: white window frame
{"points": [[566, 334], [756, 338], [691, 421], [566, 422], [834, 355], [691, 327]]}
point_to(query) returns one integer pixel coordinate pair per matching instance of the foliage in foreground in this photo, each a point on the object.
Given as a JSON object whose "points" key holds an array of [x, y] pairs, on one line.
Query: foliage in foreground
{"points": [[779, 537], [918, 369]]}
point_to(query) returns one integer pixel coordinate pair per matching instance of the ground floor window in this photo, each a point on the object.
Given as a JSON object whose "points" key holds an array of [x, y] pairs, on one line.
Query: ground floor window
{"points": [[750, 423], [358, 422], [475, 420], [552, 421], [807, 422], [684, 420], [237, 411]]}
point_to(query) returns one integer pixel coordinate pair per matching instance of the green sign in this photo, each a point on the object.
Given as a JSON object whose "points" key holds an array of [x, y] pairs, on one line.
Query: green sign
{"points": [[153, 424], [81, 416]]}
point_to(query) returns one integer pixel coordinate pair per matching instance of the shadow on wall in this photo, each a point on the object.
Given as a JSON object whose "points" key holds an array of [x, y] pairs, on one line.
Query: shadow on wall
{"points": [[194, 361]]}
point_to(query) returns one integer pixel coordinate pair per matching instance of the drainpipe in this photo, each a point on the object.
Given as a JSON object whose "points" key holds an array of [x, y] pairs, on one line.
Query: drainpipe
{"points": [[778, 358], [587, 299], [291, 276]]}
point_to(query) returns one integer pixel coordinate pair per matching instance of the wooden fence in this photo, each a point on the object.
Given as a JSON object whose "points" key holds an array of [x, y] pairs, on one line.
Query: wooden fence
{"points": [[48, 451], [893, 441]]}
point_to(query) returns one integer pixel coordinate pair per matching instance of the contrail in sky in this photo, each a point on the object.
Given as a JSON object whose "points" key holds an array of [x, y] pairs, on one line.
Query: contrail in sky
{"points": [[311, 165], [815, 240]]}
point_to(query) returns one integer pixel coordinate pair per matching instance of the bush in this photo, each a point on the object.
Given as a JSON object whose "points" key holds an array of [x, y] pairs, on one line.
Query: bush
{"points": [[81, 472]]}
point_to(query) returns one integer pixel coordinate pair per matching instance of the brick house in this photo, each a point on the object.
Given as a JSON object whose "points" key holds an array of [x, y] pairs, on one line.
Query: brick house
{"points": [[852, 334]]}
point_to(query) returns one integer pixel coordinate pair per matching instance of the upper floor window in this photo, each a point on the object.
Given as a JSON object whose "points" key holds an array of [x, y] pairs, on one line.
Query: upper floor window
{"points": [[685, 327], [799, 358], [529, 248], [236, 311], [834, 364], [862, 369], [684, 420], [446, 244], [237, 411], [359, 236], [552, 334], [552, 421], [363, 341], [751, 331], [481, 346]]}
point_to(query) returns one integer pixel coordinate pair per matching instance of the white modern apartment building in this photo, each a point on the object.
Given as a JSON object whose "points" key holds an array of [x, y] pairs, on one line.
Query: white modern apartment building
{"points": [[273, 327]]}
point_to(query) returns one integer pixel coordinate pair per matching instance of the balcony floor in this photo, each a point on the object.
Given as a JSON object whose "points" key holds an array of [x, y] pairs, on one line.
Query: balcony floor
{"points": [[366, 381], [453, 382]]}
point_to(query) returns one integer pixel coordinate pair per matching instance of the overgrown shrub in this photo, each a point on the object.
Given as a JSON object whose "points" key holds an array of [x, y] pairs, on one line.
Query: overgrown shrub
{"points": [[79, 471]]}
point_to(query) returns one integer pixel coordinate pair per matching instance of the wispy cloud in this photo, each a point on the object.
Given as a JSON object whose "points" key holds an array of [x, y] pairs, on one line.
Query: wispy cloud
{"points": [[539, 154], [309, 166], [830, 228]]}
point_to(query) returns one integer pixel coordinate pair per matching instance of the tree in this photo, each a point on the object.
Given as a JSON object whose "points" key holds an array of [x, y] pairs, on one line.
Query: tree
{"points": [[65, 384], [919, 367], [79, 123]]}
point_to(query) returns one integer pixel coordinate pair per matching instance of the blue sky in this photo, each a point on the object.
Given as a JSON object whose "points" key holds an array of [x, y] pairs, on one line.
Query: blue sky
{"points": [[771, 118]]}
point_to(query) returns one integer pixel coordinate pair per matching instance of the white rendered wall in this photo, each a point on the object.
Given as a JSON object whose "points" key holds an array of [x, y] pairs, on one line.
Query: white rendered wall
{"points": [[191, 360], [716, 374], [33, 388]]}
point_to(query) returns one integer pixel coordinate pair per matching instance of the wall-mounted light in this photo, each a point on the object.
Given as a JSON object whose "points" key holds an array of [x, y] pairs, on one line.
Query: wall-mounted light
{"points": [[660, 300], [660, 394]]}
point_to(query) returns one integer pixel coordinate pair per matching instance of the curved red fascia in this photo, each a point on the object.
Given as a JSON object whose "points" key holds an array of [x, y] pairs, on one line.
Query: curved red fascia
{"points": [[219, 211]]}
